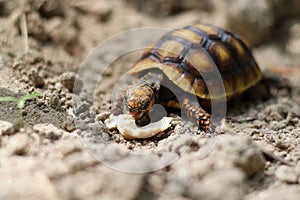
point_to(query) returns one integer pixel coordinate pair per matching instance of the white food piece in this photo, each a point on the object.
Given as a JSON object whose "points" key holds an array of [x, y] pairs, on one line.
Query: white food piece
{"points": [[110, 122], [126, 125]]}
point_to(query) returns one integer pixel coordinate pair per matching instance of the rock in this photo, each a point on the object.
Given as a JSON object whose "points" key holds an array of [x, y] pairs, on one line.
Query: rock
{"points": [[275, 125], [297, 168], [55, 168], [49, 131], [6, 7], [156, 181], [71, 81], [36, 27], [37, 79], [79, 161], [2, 8], [48, 8], [102, 9], [274, 112], [6, 128], [167, 159], [68, 144], [2, 61], [237, 151], [283, 145], [69, 125], [101, 182], [211, 189], [23, 178], [252, 21], [221, 174], [284, 10], [82, 108], [197, 168], [18, 144], [176, 187], [261, 16], [62, 32], [286, 174], [293, 44], [181, 144], [275, 56], [286, 192], [136, 163], [103, 116], [54, 101], [168, 7]]}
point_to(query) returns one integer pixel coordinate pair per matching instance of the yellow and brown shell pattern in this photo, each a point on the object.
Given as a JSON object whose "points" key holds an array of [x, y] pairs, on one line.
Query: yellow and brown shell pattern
{"points": [[184, 56]]}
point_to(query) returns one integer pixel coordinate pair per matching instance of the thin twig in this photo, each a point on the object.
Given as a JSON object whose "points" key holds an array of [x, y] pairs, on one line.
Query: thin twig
{"points": [[24, 32], [274, 157]]}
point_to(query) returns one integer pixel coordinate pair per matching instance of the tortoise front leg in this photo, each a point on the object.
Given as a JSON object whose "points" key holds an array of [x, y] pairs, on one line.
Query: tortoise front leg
{"points": [[195, 112]]}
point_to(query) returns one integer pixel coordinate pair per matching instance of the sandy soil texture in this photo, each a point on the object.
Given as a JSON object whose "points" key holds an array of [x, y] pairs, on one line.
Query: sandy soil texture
{"points": [[61, 149]]}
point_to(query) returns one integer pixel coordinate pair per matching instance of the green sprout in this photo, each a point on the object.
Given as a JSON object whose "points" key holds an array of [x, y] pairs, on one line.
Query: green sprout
{"points": [[20, 103]]}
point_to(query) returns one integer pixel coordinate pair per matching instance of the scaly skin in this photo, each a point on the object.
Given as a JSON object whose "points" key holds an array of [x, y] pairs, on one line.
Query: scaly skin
{"points": [[194, 111], [145, 90]]}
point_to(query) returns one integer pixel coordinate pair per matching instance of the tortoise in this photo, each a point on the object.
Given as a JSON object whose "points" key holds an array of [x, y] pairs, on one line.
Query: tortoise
{"points": [[184, 57]]}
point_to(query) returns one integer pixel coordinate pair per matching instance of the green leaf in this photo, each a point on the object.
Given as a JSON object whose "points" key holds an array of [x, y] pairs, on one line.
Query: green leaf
{"points": [[21, 103], [8, 99], [30, 96]]}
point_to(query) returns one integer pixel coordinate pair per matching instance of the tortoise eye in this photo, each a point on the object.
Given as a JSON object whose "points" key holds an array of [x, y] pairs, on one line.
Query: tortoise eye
{"points": [[145, 105]]}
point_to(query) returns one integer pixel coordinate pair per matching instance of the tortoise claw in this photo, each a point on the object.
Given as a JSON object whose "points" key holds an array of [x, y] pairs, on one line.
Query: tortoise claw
{"points": [[211, 128]]}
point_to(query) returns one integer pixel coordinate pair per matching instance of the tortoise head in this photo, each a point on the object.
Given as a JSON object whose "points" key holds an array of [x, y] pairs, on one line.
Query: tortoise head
{"points": [[139, 100]]}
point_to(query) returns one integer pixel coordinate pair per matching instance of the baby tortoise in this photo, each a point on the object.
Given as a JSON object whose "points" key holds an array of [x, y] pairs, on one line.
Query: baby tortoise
{"points": [[187, 58]]}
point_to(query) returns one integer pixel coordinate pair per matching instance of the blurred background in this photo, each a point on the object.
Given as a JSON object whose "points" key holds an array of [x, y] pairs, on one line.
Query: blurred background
{"points": [[48, 161], [272, 27]]}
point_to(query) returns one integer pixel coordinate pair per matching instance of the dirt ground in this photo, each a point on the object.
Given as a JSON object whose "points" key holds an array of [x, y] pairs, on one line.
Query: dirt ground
{"points": [[63, 149]]}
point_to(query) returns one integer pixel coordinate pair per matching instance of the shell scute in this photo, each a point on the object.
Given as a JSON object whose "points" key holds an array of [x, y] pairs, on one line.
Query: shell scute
{"points": [[187, 35], [191, 57], [170, 49], [222, 56], [210, 30], [200, 61]]}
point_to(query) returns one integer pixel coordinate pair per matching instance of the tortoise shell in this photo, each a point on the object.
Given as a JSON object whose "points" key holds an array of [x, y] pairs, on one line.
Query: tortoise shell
{"points": [[188, 56]]}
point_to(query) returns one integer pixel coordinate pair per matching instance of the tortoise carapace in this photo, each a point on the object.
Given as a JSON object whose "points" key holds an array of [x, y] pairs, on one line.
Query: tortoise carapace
{"points": [[188, 58]]}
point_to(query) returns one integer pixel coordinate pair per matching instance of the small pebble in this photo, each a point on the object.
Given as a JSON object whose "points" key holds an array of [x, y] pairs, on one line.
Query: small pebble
{"points": [[281, 145], [71, 81], [18, 144], [286, 174], [37, 80], [103, 116], [6, 128]]}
